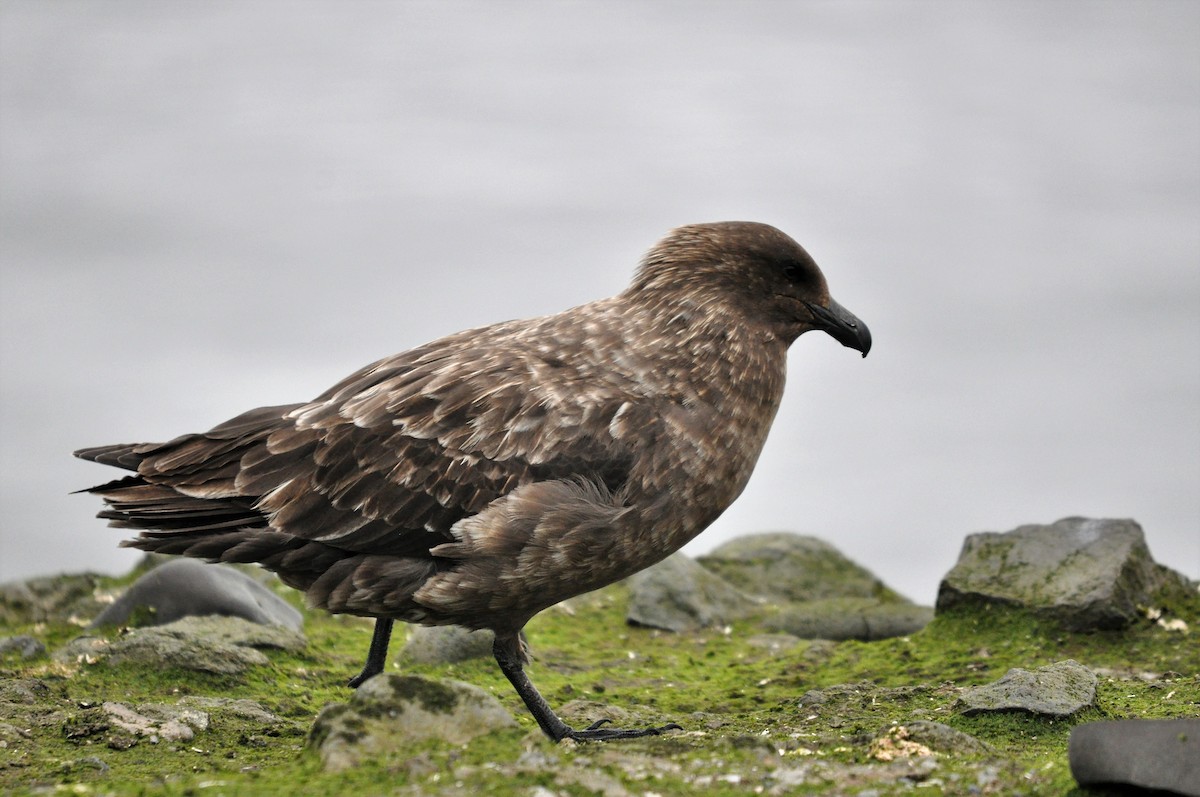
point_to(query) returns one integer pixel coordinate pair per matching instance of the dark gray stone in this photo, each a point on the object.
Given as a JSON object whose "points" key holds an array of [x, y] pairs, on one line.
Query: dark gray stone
{"points": [[447, 644], [1085, 574], [391, 710], [851, 618], [27, 646], [679, 595], [1056, 690], [1147, 754], [190, 588], [783, 567]]}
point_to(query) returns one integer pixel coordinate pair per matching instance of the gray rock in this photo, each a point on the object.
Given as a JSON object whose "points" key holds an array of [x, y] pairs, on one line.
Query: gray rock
{"points": [[677, 594], [783, 567], [1056, 690], [187, 587], [447, 644], [1085, 574], [173, 651], [1147, 754], [63, 598], [392, 710], [850, 618], [27, 646], [157, 721], [125, 724], [224, 645], [231, 631]]}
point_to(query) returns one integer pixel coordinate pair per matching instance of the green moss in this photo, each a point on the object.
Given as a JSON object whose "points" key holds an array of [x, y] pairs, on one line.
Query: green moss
{"points": [[433, 696], [747, 710]]}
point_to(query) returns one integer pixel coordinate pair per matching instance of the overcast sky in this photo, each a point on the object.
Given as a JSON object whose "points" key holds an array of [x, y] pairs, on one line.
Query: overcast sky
{"points": [[206, 207]]}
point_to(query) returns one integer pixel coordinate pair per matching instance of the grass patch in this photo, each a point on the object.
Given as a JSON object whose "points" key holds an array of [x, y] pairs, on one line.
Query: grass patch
{"points": [[757, 715]]}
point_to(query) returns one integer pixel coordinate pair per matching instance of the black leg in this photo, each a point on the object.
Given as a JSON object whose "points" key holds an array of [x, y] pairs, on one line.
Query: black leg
{"points": [[509, 656], [377, 655]]}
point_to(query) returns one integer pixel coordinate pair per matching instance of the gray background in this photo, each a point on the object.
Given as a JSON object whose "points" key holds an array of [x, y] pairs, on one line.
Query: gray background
{"points": [[212, 206]]}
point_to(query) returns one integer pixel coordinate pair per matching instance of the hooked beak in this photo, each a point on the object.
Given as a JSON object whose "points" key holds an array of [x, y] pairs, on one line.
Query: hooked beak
{"points": [[842, 325]]}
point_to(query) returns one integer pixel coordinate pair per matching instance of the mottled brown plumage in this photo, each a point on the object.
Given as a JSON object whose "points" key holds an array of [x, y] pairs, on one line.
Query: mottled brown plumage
{"points": [[485, 476]]}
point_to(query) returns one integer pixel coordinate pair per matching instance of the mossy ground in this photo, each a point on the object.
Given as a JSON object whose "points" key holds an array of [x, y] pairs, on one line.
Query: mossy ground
{"points": [[749, 727]]}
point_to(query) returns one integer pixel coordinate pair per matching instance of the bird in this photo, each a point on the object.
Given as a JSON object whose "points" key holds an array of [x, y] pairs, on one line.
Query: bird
{"points": [[483, 477]]}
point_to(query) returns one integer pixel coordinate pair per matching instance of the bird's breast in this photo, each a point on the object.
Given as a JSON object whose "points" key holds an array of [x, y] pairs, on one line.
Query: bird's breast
{"points": [[702, 445]]}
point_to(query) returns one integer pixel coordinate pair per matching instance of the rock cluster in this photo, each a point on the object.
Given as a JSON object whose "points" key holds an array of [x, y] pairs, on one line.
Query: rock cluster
{"points": [[802, 585], [1083, 574], [181, 613]]}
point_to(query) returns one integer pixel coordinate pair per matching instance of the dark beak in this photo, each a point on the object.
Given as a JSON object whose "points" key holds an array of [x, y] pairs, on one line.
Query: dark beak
{"points": [[842, 325]]}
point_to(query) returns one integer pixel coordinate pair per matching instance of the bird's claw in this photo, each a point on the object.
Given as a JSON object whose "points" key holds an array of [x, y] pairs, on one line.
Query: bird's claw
{"points": [[595, 733], [362, 678]]}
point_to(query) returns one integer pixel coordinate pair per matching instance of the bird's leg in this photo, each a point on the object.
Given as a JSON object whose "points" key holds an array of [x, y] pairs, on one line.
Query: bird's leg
{"points": [[509, 655], [377, 655]]}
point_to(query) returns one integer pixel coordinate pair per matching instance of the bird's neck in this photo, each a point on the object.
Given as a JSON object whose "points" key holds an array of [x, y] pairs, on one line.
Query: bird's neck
{"points": [[726, 380], [709, 350]]}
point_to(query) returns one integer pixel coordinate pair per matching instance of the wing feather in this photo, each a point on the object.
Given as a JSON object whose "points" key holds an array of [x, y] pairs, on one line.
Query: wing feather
{"points": [[390, 458], [418, 442]]}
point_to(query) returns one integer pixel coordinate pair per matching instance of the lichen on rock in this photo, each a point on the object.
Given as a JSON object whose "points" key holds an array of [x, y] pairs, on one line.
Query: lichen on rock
{"points": [[390, 709], [1084, 573]]}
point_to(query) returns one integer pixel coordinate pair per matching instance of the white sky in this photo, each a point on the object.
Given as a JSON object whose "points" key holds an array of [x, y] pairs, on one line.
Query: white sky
{"points": [[210, 207]]}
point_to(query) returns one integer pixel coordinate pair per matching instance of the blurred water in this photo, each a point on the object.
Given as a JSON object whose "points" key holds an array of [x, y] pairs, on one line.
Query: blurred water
{"points": [[212, 206]]}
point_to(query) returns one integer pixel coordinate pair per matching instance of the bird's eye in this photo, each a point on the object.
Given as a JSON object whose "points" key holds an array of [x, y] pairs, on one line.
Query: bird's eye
{"points": [[794, 271]]}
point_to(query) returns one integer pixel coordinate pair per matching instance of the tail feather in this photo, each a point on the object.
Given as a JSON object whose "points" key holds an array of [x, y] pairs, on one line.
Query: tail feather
{"points": [[134, 503], [298, 562], [187, 485], [119, 456], [184, 499]]}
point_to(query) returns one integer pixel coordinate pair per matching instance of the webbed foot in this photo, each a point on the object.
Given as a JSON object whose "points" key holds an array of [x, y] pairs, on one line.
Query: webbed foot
{"points": [[595, 733]]}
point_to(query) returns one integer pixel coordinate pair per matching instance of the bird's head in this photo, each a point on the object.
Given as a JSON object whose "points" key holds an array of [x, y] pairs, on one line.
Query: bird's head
{"points": [[753, 270]]}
